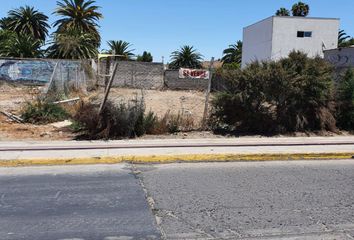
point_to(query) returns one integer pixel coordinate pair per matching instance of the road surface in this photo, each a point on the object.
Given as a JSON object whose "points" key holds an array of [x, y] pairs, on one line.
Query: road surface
{"points": [[80, 202], [240, 200]]}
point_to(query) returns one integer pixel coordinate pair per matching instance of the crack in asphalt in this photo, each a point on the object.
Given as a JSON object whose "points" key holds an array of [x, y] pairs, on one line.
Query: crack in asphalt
{"points": [[150, 201]]}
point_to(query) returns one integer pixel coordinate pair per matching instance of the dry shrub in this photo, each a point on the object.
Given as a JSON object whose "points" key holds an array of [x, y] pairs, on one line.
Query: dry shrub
{"points": [[127, 120], [117, 121], [172, 123], [87, 116]]}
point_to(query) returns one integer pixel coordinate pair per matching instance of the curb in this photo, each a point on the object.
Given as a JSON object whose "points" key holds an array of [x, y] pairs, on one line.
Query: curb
{"points": [[161, 159]]}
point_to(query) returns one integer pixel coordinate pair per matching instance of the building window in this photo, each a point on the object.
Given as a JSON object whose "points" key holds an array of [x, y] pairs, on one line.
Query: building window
{"points": [[302, 34]]}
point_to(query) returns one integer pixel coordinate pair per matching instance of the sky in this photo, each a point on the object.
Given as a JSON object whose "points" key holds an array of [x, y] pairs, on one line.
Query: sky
{"points": [[162, 26]]}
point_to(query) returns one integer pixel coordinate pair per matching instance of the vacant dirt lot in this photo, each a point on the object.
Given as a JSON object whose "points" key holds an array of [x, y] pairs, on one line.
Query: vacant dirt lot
{"points": [[14, 96], [160, 102]]}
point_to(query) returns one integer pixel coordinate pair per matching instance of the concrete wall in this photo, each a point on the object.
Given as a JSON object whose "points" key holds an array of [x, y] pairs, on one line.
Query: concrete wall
{"points": [[257, 41], [172, 81], [130, 74], [324, 36], [341, 57], [137, 75], [36, 70], [275, 37]]}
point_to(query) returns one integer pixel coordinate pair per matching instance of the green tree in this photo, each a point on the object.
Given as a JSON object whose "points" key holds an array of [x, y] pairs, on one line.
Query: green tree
{"points": [[4, 23], [23, 46], [345, 101], [146, 57], [233, 54], [344, 40], [121, 48], [73, 44], [300, 9], [349, 43], [282, 12], [5, 37], [186, 56], [79, 15], [28, 21]]}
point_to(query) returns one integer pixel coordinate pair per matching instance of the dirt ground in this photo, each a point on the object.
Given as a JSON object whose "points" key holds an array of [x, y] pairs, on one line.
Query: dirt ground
{"points": [[12, 99], [160, 102], [14, 96]]}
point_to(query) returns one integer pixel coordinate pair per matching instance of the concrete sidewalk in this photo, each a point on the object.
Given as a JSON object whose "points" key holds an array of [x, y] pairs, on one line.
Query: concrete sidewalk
{"points": [[170, 150]]}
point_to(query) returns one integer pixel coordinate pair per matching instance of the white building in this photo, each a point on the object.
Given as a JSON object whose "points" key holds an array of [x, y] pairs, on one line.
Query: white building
{"points": [[275, 37]]}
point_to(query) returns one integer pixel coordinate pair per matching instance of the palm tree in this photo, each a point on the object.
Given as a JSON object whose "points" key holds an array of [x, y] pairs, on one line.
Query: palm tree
{"points": [[73, 44], [233, 54], [342, 38], [121, 48], [80, 15], [186, 56], [4, 23], [282, 12], [26, 20], [23, 46], [5, 37], [146, 57], [300, 9]]}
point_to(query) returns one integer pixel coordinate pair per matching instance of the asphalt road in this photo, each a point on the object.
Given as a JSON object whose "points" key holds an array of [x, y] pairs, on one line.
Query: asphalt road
{"points": [[259, 200], [254, 200], [78, 202]]}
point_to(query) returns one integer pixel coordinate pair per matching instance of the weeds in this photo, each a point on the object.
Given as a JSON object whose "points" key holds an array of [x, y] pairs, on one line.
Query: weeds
{"points": [[41, 111], [127, 120], [172, 123], [124, 120]]}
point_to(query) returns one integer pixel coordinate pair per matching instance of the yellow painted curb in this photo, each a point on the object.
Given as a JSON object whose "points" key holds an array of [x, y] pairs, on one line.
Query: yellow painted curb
{"points": [[177, 158]]}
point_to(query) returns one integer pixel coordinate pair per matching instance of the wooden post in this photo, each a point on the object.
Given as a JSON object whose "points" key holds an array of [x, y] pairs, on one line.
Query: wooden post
{"points": [[108, 87], [207, 95]]}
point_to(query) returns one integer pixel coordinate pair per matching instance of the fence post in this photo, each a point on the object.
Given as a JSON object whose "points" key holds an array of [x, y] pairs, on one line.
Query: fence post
{"points": [[207, 95], [108, 88]]}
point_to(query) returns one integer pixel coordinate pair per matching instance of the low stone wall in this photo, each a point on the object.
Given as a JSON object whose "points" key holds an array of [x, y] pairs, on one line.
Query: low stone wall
{"points": [[172, 81], [136, 75]]}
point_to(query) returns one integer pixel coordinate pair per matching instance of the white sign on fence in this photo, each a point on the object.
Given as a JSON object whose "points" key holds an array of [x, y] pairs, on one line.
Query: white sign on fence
{"points": [[193, 73]]}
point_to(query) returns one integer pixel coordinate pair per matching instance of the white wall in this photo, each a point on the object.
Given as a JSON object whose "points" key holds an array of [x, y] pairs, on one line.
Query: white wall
{"points": [[285, 40], [257, 41]]}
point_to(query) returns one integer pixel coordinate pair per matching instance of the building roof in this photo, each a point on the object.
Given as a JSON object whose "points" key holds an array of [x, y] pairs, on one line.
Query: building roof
{"points": [[293, 17]]}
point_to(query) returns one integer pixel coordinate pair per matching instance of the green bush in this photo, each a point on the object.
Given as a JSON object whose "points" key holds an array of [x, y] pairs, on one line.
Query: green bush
{"points": [[293, 94], [42, 111], [345, 101]]}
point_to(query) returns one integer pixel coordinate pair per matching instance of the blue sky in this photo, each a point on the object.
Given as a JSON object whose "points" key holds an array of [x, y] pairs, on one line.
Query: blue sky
{"points": [[162, 26]]}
